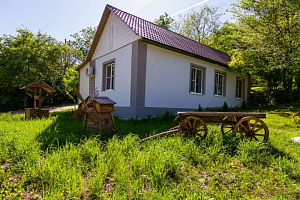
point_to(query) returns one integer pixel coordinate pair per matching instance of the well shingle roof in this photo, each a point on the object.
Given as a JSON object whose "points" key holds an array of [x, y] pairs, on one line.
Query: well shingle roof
{"points": [[153, 32]]}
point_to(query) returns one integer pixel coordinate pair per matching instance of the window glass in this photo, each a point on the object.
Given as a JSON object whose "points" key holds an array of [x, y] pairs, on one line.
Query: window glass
{"points": [[109, 76], [219, 80], [199, 81], [239, 88], [196, 80]]}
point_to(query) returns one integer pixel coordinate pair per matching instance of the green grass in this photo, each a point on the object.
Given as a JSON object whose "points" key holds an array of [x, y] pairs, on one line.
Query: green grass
{"points": [[56, 158]]}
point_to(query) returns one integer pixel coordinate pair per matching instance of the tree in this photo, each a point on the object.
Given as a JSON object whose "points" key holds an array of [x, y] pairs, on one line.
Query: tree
{"points": [[199, 25], [71, 81], [164, 21], [271, 42], [227, 38], [29, 57], [82, 42]]}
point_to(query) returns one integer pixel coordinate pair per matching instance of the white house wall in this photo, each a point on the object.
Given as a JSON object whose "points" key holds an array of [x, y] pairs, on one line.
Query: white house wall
{"points": [[84, 84], [121, 92], [115, 35], [168, 81]]}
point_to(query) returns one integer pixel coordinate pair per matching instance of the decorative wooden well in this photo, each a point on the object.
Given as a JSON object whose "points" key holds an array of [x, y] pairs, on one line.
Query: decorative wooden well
{"points": [[99, 114], [37, 112]]}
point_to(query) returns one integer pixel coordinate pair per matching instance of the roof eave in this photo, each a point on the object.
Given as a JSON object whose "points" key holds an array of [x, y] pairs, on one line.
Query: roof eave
{"points": [[97, 36], [183, 52]]}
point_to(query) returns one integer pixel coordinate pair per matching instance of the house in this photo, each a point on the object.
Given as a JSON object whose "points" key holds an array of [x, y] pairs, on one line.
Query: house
{"points": [[147, 69]]}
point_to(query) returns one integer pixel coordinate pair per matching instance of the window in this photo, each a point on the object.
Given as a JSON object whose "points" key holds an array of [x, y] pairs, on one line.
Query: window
{"points": [[239, 88], [108, 78], [219, 84], [197, 79]]}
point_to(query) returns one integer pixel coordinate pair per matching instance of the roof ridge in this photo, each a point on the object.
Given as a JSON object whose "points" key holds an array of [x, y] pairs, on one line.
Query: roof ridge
{"points": [[110, 6]]}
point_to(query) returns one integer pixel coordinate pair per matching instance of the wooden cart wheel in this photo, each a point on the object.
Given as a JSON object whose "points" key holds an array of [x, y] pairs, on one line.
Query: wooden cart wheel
{"points": [[194, 126], [252, 128], [177, 121], [227, 127]]}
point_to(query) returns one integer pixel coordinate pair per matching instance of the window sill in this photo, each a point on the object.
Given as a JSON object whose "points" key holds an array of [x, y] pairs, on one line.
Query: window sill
{"points": [[108, 90], [219, 96], [238, 98], [194, 93]]}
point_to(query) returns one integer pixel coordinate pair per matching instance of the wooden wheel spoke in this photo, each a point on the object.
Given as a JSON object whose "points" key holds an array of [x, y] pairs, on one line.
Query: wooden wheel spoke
{"points": [[254, 126], [260, 135], [185, 127], [255, 138], [244, 127], [189, 123], [198, 126], [259, 129], [184, 131], [194, 124], [249, 125], [200, 130]]}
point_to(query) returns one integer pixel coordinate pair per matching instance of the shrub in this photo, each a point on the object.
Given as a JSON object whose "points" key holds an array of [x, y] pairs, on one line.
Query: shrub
{"points": [[244, 105], [167, 115], [200, 109], [225, 107]]}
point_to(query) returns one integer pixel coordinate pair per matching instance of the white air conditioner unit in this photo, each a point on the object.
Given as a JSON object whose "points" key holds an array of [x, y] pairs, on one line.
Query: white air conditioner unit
{"points": [[89, 71]]}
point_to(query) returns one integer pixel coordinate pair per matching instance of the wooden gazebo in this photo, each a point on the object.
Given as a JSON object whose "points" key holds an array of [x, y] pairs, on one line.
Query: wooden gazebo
{"points": [[37, 111]]}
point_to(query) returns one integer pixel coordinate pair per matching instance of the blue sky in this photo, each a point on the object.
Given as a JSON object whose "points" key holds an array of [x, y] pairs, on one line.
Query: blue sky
{"points": [[60, 18]]}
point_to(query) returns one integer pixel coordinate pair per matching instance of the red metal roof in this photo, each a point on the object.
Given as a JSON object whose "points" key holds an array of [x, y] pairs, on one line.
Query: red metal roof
{"points": [[153, 32]]}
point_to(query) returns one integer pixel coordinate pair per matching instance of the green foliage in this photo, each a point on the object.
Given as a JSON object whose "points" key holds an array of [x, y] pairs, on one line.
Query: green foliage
{"points": [[200, 109], [199, 25], [29, 57], [71, 81], [82, 41], [164, 21], [296, 119], [244, 105], [225, 107], [270, 43], [56, 158], [252, 152]]}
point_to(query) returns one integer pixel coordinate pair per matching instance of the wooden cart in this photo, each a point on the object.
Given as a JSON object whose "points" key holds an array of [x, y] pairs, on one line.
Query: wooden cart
{"points": [[248, 125]]}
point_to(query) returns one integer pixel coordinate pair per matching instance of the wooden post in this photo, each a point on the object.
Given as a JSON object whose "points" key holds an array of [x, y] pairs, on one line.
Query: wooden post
{"points": [[40, 102], [34, 98]]}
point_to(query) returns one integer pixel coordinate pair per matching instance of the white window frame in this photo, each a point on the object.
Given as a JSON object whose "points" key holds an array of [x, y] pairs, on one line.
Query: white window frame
{"points": [[111, 76], [217, 84], [194, 90]]}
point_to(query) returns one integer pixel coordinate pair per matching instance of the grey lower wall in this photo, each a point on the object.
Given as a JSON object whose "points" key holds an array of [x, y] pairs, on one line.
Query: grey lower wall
{"points": [[140, 112]]}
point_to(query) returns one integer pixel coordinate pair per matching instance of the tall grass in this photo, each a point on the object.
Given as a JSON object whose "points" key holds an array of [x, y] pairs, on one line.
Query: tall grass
{"points": [[56, 158]]}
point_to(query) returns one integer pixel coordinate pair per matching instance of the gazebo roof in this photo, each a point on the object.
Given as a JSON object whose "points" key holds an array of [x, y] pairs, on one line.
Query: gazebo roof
{"points": [[39, 84]]}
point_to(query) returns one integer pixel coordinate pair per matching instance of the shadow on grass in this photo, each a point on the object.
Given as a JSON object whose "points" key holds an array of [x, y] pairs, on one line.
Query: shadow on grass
{"points": [[65, 129]]}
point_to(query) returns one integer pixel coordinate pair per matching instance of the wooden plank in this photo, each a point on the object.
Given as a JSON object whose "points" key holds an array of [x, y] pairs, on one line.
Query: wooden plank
{"points": [[222, 114]]}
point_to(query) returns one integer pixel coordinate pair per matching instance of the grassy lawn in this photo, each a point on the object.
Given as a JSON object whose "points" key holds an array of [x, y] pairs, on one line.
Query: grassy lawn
{"points": [[56, 158]]}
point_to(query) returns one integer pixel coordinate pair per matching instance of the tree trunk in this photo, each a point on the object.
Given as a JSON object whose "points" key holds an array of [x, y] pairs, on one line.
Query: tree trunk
{"points": [[298, 88], [290, 91]]}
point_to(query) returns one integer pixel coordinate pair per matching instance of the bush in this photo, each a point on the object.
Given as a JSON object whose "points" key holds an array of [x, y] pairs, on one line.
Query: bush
{"points": [[225, 107], [244, 105], [167, 115], [200, 109]]}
